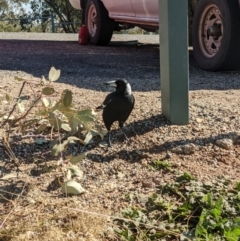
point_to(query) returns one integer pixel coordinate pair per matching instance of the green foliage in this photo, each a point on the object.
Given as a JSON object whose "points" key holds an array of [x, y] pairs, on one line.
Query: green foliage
{"points": [[12, 16], [10, 8], [185, 209], [47, 112], [9, 27], [160, 164], [68, 17], [72, 187], [185, 177]]}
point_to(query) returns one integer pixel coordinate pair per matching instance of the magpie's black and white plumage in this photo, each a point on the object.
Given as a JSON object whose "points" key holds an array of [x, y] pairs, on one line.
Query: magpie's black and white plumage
{"points": [[117, 105]]}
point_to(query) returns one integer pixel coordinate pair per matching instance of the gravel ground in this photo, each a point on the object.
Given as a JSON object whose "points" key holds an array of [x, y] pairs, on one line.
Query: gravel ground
{"points": [[207, 147]]}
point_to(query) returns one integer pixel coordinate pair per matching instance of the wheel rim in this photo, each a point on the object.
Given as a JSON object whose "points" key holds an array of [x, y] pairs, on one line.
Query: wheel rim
{"points": [[210, 31], [92, 20]]}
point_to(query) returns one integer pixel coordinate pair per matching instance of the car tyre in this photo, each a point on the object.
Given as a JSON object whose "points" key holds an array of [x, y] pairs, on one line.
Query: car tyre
{"points": [[99, 25], [216, 35]]}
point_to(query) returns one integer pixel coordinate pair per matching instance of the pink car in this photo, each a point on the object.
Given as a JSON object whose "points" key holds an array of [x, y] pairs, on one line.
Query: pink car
{"points": [[215, 27]]}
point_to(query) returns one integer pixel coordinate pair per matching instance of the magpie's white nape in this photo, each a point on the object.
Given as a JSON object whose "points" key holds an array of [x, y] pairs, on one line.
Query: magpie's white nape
{"points": [[117, 105], [129, 89]]}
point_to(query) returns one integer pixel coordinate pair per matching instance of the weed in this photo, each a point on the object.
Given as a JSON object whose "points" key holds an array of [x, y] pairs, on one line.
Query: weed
{"points": [[160, 164], [186, 209]]}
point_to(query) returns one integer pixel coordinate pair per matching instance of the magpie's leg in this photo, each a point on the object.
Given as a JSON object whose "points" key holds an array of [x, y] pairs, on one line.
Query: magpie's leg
{"points": [[109, 139], [121, 126], [124, 134], [133, 130]]}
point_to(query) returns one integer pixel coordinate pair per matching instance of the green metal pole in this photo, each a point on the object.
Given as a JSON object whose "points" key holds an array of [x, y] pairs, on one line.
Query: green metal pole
{"points": [[174, 68]]}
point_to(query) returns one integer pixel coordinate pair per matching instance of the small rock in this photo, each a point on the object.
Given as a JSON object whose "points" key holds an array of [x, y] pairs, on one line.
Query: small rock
{"points": [[147, 183], [225, 143], [195, 128], [168, 155], [199, 120], [177, 150], [218, 119], [223, 129], [188, 149], [120, 175], [185, 149], [99, 172]]}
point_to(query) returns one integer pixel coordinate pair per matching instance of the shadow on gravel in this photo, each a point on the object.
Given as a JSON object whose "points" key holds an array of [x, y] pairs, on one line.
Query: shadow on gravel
{"points": [[88, 66], [39, 155], [12, 191], [137, 155]]}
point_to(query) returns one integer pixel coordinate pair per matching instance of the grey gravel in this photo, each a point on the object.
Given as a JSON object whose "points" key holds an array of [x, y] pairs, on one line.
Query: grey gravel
{"points": [[225, 143], [214, 113]]}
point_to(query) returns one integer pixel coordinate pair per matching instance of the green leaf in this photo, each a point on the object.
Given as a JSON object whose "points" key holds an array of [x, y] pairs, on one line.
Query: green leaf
{"points": [[88, 138], [74, 124], [66, 127], [54, 121], [68, 112], [54, 74], [76, 159], [55, 106], [100, 133], [76, 171], [42, 112], [208, 199], [45, 102], [7, 97], [103, 132], [48, 90], [237, 186], [87, 112], [233, 234], [58, 148], [218, 208], [41, 128], [161, 164], [85, 118], [185, 177], [74, 138], [72, 187], [69, 175], [67, 99]]}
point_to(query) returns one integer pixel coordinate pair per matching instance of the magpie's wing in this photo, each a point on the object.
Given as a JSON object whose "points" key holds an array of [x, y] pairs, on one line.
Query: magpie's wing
{"points": [[132, 105], [107, 100]]}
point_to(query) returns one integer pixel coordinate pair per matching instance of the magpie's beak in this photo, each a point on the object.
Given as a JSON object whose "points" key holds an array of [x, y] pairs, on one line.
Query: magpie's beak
{"points": [[111, 83]]}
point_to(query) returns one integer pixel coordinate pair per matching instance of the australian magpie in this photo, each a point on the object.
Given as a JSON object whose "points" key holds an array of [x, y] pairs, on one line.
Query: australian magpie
{"points": [[117, 105]]}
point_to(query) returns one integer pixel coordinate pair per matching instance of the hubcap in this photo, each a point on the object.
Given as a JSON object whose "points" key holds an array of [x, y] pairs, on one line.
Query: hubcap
{"points": [[210, 31], [92, 20]]}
